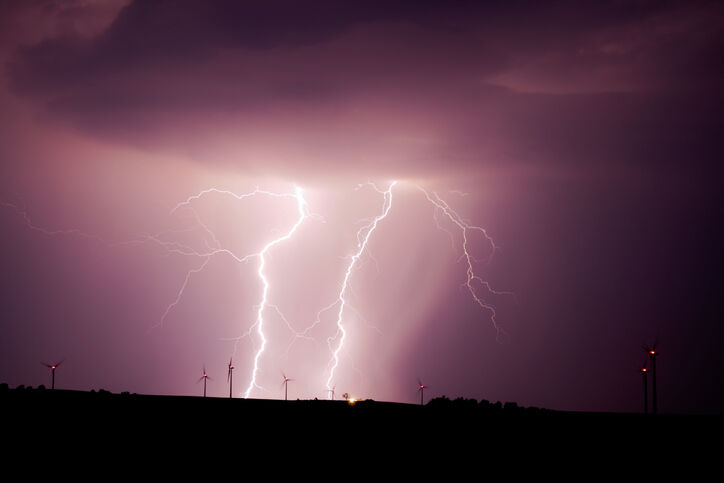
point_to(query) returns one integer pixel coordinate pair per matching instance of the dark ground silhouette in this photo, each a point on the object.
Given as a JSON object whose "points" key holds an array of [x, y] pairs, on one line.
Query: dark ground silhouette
{"points": [[462, 432]]}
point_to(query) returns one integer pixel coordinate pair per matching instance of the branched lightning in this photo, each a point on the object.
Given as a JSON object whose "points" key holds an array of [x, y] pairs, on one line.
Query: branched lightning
{"points": [[212, 249], [29, 223], [181, 291], [304, 334], [207, 246], [471, 277], [303, 213], [363, 237], [175, 247], [242, 196]]}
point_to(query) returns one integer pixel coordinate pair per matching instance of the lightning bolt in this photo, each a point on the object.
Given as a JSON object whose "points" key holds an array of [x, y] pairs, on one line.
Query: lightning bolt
{"points": [[303, 214], [213, 249], [174, 247], [479, 289], [471, 277], [363, 237]]}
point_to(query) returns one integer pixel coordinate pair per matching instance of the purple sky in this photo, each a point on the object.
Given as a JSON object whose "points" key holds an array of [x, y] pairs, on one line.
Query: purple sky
{"points": [[586, 141]]}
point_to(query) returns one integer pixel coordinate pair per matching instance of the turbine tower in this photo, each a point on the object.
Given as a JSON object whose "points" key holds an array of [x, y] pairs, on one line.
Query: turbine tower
{"points": [[331, 392], [285, 384], [230, 378], [204, 377], [653, 353], [52, 368], [644, 377], [421, 388]]}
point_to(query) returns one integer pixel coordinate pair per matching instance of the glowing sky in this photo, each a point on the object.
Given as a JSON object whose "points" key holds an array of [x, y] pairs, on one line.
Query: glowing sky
{"points": [[585, 141]]}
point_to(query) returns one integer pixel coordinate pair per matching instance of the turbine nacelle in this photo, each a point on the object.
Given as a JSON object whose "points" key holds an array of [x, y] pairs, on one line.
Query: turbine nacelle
{"points": [[651, 354], [231, 369], [204, 375], [285, 384], [421, 389], [52, 367]]}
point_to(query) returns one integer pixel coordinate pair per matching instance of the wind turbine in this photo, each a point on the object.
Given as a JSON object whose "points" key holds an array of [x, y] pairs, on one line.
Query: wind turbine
{"points": [[52, 368], [331, 391], [230, 378], [421, 387], [644, 376], [653, 353], [204, 377], [285, 384]]}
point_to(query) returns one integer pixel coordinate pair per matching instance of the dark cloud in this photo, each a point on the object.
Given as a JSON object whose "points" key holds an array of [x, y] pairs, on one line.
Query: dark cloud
{"points": [[601, 81], [150, 32]]}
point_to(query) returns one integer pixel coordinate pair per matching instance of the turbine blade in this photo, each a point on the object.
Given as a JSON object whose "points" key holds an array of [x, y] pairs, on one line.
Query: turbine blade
{"points": [[59, 363]]}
